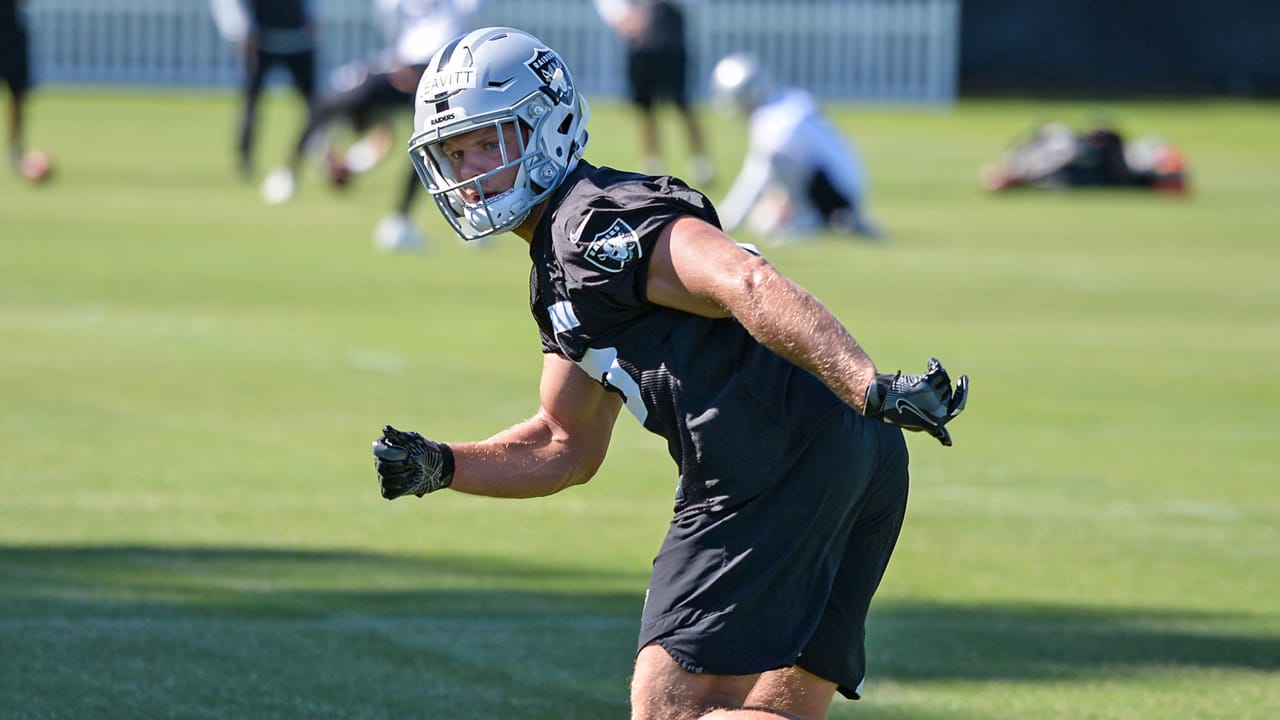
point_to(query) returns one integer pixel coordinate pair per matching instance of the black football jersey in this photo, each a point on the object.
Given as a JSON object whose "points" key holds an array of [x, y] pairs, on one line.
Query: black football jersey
{"points": [[728, 407]]}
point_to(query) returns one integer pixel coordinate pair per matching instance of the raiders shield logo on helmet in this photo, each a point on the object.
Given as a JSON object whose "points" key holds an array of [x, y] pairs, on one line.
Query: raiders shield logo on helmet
{"points": [[551, 70]]}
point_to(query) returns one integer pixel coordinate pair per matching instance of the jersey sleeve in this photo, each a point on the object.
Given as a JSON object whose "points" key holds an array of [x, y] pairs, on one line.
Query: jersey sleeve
{"points": [[604, 249]]}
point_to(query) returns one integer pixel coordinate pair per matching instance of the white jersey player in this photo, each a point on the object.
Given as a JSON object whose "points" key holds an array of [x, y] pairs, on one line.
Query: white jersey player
{"points": [[800, 174], [415, 29]]}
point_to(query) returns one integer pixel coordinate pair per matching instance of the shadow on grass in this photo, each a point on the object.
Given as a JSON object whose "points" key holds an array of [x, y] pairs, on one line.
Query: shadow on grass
{"points": [[259, 632], [1030, 642], [270, 582], [967, 641], [353, 634]]}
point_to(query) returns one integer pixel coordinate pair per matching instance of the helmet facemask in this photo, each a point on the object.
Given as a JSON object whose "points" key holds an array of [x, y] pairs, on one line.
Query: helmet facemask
{"points": [[492, 212]]}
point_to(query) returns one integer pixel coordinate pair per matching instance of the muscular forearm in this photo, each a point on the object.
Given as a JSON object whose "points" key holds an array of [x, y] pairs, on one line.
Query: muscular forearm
{"points": [[531, 459], [790, 321]]}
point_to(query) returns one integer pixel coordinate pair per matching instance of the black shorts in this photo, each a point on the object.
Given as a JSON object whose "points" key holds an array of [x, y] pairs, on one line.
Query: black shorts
{"points": [[785, 577], [825, 197], [15, 65], [301, 67], [657, 74]]}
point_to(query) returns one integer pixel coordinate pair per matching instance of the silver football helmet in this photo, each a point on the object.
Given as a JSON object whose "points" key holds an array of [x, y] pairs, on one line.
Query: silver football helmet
{"points": [[740, 83], [501, 78]]}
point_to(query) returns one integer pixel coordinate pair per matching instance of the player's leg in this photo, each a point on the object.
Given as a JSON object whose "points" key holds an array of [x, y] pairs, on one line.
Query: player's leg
{"points": [[750, 713], [396, 232], [361, 92], [325, 111], [701, 170], [641, 79], [15, 129], [302, 71], [382, 98], [282, 182], [280, 185], [650, 152], [15, 70], [386, 96], [836, 208], [661, 689], [793, 691], [370, 148], [256, 66], [786, 211]]}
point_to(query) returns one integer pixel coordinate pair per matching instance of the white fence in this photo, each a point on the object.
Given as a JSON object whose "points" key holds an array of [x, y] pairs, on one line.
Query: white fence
{"points": [[894, 51]]}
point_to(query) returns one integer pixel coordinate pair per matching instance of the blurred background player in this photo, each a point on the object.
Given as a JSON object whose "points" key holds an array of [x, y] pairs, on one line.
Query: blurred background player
{"points": [[1054, 155], [657, 69], [269, 33], [800, 174], [368, 95], [15, 68]]}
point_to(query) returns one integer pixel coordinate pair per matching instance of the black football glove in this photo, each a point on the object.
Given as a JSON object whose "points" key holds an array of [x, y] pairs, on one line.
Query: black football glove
{"points": [[409, 463], [918, 402]]}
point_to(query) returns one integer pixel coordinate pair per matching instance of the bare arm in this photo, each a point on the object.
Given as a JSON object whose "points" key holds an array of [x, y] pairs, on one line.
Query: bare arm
{"points": [[562, 445], [622, 16], [698, 269], [746, 190]]}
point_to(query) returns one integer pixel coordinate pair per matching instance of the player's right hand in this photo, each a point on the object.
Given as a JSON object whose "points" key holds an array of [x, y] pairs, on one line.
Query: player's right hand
{"points": [[409, 463], [921, 403]]}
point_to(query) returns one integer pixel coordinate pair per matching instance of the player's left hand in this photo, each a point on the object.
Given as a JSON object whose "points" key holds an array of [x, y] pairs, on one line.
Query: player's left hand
{"points": [[922, 403], [409, 463]]}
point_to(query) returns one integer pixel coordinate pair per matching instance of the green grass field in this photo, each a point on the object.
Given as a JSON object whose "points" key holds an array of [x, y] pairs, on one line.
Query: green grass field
{"points": [[189, 381]]}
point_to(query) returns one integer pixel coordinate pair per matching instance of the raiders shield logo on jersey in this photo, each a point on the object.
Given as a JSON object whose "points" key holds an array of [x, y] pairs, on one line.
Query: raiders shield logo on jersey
{"points": [[613, 249]]}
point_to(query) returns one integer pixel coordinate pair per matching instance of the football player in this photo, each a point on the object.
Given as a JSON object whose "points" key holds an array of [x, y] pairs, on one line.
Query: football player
{"points": [[800, 174], [657, 71], [367, 95], [15, 68], [787, 442], [1055, 156], [269, 33]]}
